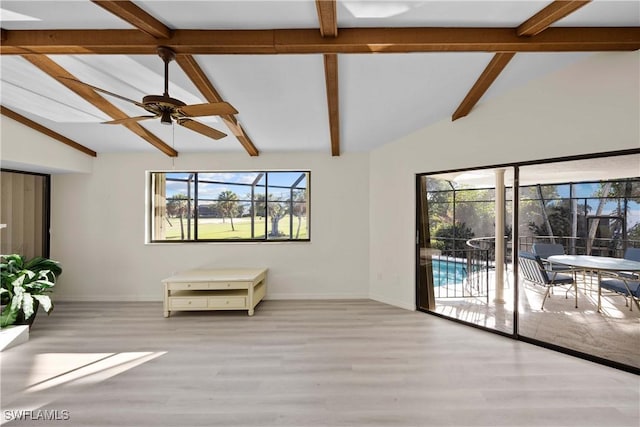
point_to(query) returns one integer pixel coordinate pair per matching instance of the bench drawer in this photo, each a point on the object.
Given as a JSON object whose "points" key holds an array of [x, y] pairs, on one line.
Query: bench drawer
{"points": [[227, 302], [187, 303], [203, 286], [186, 286]]}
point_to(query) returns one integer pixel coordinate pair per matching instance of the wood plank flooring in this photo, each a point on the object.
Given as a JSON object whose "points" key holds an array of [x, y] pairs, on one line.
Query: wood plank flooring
{"points": [[298, 363]]}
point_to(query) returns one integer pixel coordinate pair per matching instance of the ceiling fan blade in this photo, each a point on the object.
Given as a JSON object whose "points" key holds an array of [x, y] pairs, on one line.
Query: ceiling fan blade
{"points": [[200, 128], [128, 120], [211, 109], [97, 89]]}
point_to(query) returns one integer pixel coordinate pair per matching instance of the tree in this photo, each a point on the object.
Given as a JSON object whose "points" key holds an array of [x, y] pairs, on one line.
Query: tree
{"points": [[604, 192], [452, 239], [228, 205], [277, 209], [259, 206], [299, 208], [558, 217], [178, 206]]}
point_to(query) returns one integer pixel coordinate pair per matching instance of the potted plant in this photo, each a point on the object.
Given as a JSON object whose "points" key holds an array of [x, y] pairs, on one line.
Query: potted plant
{"points": [[24, 286]]}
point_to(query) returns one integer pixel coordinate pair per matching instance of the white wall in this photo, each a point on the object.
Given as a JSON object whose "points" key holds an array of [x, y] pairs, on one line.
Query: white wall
{"points": [[25, 149], [98, 225], [592, 106], [98, 218]]}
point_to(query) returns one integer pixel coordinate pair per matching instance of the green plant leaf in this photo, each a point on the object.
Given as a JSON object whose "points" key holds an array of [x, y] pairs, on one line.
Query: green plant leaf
{"points": [[8, 316], [23, 281], [44, 264]]}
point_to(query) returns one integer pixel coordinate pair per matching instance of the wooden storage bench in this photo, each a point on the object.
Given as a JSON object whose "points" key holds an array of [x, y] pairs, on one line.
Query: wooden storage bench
{"points": [[215, 289]]}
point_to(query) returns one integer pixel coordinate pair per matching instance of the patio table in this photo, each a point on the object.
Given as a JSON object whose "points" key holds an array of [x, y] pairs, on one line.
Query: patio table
{"points": [[597, 264]]}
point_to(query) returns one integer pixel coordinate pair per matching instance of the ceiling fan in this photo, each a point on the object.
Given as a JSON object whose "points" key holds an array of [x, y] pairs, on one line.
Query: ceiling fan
{"points": [[169, 109]]}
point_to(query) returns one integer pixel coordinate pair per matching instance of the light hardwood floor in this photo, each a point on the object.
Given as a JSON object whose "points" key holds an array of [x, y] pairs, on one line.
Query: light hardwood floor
{"points": [[299, 363]]}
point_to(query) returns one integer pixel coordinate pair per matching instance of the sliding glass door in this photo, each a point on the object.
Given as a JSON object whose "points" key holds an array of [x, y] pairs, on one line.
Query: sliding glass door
{"points": [[583, 210], [488, 246], [464, 247]]}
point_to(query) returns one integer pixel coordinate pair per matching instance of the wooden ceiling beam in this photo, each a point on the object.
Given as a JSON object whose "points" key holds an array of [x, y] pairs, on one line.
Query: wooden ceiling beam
{"points": [[45, 130], [328, 17], [495, 67], [533, 26], [137, 17], [299, 41], [61, 75], [547, 16], [191, 68], [331, 78]]}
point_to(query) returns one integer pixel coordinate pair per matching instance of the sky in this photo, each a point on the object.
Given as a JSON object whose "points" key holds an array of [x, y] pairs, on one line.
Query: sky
{"points": [[211, 191]]}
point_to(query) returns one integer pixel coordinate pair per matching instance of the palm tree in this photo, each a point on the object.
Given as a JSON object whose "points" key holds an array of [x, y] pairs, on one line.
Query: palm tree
{"points": [[299, 208], [228, 205], [178, 206]]}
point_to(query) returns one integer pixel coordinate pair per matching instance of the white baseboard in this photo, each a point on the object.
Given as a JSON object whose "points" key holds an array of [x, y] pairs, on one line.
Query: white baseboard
{"points": [[396, 303], [158, 298], [293, 296], [108, 298]]}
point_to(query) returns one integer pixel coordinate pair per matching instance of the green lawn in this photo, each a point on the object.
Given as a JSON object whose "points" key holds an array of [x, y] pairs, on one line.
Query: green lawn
{"points": [[214, 228]]}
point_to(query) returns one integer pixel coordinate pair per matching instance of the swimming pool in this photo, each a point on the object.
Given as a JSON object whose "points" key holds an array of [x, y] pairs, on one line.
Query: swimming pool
{"points": [[448, 272]]}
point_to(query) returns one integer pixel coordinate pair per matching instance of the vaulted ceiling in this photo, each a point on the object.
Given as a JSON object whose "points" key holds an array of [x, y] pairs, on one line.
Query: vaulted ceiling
{"points": [[324, 75]]}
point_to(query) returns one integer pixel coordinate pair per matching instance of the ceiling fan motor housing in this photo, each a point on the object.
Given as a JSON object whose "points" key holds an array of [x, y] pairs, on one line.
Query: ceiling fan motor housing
{"points": [[163, 105]]}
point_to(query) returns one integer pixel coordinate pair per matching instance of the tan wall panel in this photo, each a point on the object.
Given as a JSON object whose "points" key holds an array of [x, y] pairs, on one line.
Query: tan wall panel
{"points": [[6, 192], [22, 210]]}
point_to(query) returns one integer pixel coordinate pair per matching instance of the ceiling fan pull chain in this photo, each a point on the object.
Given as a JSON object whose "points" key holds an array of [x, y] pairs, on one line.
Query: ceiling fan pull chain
{"points": [[173, 143]]}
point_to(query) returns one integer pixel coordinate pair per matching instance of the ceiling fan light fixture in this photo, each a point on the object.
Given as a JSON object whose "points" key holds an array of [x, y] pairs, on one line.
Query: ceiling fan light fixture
{"points": [[165, 118]]}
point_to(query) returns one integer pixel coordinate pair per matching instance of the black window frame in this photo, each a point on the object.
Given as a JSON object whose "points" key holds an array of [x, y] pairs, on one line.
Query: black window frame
{"points": [[261, 181]]}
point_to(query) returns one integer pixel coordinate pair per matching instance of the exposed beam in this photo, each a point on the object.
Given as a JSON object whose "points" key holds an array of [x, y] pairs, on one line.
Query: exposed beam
{"points": [[46, 131], [3, 34], [536, 24], [495, 67], [137, 17], [191, 68], [547, 16], [349, 40], [61, 75], [328, 17], [331, 77]]}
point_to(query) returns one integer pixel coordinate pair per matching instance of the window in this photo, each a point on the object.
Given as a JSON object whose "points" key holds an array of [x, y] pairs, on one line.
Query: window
{"points": [[229, 206]]}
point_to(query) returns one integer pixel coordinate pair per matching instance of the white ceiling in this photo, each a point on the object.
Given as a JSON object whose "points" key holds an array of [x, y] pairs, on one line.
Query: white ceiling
{"points": [[281, 99], [583, 170]]}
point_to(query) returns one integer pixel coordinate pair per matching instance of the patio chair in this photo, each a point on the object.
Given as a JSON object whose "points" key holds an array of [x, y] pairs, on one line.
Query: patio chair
{"points": [[632, 254], [629, 288], [545, 250], [534, 271]]}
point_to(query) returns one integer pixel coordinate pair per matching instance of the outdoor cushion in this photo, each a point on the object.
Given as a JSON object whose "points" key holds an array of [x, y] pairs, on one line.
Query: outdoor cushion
{"points": [[545, 250], [617, 285]]}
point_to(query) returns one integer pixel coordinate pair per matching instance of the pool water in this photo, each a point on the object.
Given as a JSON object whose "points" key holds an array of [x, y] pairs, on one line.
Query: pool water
{"points": [[448, 272]]}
